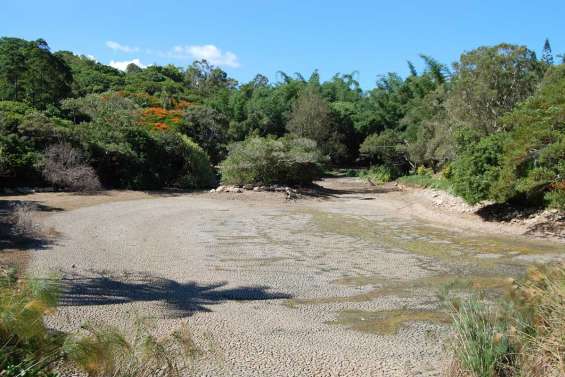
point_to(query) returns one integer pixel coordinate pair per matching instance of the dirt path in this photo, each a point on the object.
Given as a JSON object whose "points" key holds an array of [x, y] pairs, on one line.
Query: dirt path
{"points": [[343, 285]]}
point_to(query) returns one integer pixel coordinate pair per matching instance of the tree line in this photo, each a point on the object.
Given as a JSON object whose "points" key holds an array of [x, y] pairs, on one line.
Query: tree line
{"points": [[493, 123]]}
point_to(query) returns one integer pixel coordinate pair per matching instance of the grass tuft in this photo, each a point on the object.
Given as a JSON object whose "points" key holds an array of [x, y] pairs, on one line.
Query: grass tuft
{"points": [[520, 336], [28, 348], [437, 182]]}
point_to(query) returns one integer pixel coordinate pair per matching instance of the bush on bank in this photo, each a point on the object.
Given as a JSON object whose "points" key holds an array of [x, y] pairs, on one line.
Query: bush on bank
{"points": [[260, 160]]}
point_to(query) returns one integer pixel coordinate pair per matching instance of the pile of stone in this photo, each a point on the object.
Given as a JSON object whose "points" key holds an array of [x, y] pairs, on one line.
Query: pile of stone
{"points": [[290, 192]]}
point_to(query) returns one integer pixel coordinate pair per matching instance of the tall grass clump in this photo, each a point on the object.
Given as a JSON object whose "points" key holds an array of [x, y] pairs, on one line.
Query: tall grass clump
{"points": [[22, 219], [27, 347], [105, 351], [378, 174], [426, 179], [521, 336], [287, 160], [480, 347]]}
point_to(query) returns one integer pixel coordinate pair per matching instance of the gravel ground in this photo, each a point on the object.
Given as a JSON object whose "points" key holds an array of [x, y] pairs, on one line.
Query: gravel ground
{"points": [[275, 288]]}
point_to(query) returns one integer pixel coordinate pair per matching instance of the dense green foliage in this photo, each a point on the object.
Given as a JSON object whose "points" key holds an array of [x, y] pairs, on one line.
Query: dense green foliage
{"points": [[477, 168], [489, 82], [123, 153], [495, 117], [427, 180], [90, 76], [385, 148], [377, 175], [30, 73], [534, 152], [208, 127], [268, 160]]}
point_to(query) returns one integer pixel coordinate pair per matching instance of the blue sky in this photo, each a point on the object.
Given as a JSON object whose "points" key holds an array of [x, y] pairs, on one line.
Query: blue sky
{"points": [[246, 37]]}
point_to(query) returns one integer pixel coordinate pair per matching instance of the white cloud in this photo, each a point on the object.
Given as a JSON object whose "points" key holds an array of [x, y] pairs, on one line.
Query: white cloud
{"points": [[122, 65], [119, 47], [211, 53]]}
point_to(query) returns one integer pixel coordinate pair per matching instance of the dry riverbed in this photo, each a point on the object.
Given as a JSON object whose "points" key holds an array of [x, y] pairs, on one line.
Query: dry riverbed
{"points": [[348, 283]]}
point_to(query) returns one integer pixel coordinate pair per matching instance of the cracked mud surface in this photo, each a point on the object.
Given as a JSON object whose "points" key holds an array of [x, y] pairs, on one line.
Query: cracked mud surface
{"points": [[345, 285]]}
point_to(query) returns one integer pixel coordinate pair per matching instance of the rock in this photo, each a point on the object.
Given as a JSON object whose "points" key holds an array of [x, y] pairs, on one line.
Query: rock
{"points": [[220, 189], [291, 195], [257, 188], [248, 187], [212, 190]]}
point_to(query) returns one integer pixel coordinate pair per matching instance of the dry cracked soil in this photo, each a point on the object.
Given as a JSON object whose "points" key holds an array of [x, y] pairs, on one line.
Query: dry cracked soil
{"points": [[348, 284]]}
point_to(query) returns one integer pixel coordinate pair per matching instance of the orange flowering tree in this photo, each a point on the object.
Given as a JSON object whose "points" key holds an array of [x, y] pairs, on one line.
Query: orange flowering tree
{"points": [[162, 119]]}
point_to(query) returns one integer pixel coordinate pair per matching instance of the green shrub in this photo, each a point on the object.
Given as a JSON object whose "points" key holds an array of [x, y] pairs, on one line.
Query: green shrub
{"points": [[422, 170], [208, 128], [198, 170], [12, 113], [268, 160], [534, 153], [386, 148], [352, 173], [134, 157], [477, 168], [427, 181], [18, 161], [378, 174], [107, 108], [556, 199], [447, 171]]}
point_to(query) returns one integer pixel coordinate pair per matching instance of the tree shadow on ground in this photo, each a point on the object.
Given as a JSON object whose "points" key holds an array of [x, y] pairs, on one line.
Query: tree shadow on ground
{"points": [[13, 236], [549, 225], [181, 299], [504, 212], [333, 188]]}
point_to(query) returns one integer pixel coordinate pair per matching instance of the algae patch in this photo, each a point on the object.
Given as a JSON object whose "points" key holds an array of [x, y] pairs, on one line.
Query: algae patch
{"points": [[386, 322], [440, 286], [428, 241]]}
